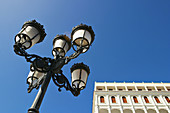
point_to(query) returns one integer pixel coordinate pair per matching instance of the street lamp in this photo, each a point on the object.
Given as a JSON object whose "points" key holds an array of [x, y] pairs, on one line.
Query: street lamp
{"points": [[31, 33], [82, 37], [42, 69], [80, 74], [61, 44]]}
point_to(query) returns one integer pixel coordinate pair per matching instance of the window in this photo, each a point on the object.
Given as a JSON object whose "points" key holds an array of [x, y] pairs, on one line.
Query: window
{"points": [[110, 89], [167, 99], [135, 99], [121, 88], [113, 99], [100, 88], [141, 88], [131, 88], [146, 99], [124, 99], [157, 99], [102, 99], [149, 89], [159, 89]]}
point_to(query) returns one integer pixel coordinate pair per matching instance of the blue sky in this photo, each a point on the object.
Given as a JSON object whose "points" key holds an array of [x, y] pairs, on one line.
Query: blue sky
{"points": [[132, 43]]}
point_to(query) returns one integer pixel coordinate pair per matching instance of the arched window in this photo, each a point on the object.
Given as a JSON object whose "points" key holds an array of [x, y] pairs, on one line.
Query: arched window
{"points": [[135, 99], [103, 111], [124, 99], [157, 99], [163, 111], [151, 111], [113, 99], [102, 99], [127, 111], [167, 99], [115, 111], [146, 99], [139, 111]]}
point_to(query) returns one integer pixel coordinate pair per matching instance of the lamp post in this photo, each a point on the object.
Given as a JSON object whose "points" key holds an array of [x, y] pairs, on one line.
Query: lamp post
{"points": [[42, 69]]}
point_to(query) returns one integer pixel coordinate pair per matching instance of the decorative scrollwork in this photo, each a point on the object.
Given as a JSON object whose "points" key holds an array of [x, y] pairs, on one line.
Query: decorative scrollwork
{"points": [[44, 65], [61, 81], [38, 65], [74, 55], [19, 50]]}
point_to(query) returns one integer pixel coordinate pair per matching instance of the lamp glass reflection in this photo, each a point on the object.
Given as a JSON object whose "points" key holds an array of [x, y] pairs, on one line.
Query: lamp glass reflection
{"points": [[31, 33], [61, 44], [79, 78], [82, 37], [33, 77], [28, 36]]}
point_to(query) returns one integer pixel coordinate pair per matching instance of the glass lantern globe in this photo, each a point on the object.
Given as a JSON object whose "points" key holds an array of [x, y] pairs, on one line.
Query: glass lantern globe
{"points": [[80, 73], [61, 44], [31, 33], [82, 36], [34, 77], [37, 72]]}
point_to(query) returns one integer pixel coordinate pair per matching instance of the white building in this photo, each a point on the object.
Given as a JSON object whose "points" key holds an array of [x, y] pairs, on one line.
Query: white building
{"points": [[131, 98]]}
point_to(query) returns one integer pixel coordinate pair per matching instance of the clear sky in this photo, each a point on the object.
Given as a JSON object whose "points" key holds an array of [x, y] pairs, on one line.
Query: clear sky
{"points": [[132, 43]]}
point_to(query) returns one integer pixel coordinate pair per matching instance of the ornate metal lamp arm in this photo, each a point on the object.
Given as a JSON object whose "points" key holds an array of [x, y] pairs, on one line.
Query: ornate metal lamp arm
{"points": [[19, 50], [74, 55], [61, 81], [58, 77]]}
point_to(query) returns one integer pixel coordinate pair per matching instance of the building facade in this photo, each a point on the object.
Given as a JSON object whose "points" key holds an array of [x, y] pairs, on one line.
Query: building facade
{"points": [[131, 98]]}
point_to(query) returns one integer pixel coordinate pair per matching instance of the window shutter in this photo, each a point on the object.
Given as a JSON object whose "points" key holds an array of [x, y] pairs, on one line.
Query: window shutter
{"points": [[102, 99], [167, 99], [135, 99], [157, 99], [146, 99], [124, 99], [113, 99]]}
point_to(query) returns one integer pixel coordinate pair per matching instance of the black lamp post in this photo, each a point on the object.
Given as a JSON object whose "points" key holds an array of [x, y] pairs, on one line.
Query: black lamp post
{"points": [[42, 69]]}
